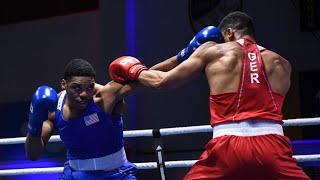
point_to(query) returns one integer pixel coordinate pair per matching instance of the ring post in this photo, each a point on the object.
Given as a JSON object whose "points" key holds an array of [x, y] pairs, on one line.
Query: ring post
{"points": [[159, 153]]}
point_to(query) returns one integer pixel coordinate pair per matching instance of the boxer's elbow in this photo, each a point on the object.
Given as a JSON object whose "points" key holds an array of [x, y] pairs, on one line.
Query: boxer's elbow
{"points": [[32, 155], [160, 83], [33, 148], [156, 85], [154, 79]]}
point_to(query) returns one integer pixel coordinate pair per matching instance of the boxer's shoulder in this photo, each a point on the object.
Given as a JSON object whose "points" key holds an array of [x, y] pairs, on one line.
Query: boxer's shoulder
{"points": [[273, 58], [214, 52]]}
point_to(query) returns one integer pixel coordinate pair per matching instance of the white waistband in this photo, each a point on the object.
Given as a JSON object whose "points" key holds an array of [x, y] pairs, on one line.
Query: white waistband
{"points": [[109, 162], [247, 128]]}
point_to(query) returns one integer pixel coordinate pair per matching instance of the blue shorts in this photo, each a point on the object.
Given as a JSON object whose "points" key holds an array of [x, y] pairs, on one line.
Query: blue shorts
{"points": [[126, 172]]}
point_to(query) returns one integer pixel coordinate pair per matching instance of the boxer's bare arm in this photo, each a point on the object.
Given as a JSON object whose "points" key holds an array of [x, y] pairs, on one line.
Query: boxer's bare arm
{"points": [[107, 96], [179, 75], [35, 145], [97, 87], [163, 66], [282, 73], [278, 70]]}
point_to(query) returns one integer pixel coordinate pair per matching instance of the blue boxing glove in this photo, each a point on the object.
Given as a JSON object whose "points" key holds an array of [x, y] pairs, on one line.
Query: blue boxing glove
{"points": [[209, 33], [45, 99]]}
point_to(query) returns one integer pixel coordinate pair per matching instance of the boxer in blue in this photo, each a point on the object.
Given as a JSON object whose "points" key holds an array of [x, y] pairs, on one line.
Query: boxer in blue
{"points": [[87, 117]]}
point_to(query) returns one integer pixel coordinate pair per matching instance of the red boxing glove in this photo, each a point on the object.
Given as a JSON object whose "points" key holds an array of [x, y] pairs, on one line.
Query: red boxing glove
{"points": [[125, 69]]}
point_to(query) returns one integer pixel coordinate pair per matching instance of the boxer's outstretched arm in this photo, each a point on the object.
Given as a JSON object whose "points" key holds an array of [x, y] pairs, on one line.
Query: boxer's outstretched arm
{"points": [[183, 73], [133, 87], [35, 145]]}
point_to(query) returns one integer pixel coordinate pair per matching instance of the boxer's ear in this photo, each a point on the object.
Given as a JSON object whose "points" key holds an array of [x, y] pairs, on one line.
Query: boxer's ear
{"points": [[63, 84], [229, 34]]}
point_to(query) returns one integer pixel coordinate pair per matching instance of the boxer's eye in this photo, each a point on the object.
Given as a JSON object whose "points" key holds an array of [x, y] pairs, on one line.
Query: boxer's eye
{"points": [[90, 88], [76, 88]]}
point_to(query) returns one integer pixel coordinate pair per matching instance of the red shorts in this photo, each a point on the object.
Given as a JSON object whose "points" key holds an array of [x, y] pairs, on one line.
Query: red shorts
{"points": [[254, 157]]}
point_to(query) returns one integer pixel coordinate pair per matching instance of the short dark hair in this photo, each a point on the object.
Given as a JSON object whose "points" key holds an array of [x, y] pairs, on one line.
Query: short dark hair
{"points": [[78, 67], [239, 21]]}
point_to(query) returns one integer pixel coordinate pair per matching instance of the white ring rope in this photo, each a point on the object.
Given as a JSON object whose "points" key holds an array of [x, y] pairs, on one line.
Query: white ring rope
{"points": [[170, 131], [149, 133], [302, 122], [145, 165]]}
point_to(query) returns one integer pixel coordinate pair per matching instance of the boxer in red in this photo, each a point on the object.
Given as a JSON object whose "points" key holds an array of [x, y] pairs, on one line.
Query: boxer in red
{"points": [[248, 84]]}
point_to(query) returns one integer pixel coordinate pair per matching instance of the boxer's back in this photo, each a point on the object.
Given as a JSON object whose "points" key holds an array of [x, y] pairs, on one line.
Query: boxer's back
{"points": [[224, 69]]}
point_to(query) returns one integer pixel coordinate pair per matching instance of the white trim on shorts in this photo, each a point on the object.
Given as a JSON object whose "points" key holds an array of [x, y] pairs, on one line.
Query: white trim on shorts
{"points": [[108, 162], [247, 128]]}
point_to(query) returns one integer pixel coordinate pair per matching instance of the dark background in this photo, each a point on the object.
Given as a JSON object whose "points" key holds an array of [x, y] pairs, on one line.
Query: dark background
{"points": [[37, 39]]}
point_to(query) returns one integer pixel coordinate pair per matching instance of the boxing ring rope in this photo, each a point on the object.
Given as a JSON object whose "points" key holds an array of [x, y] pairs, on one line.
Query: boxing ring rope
{"points": [[143, 166], [170, 131], [151, 133]]}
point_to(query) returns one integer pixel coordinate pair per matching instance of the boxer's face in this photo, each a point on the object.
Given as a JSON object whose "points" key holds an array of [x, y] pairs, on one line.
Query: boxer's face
{"points": [[80, 90]]}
